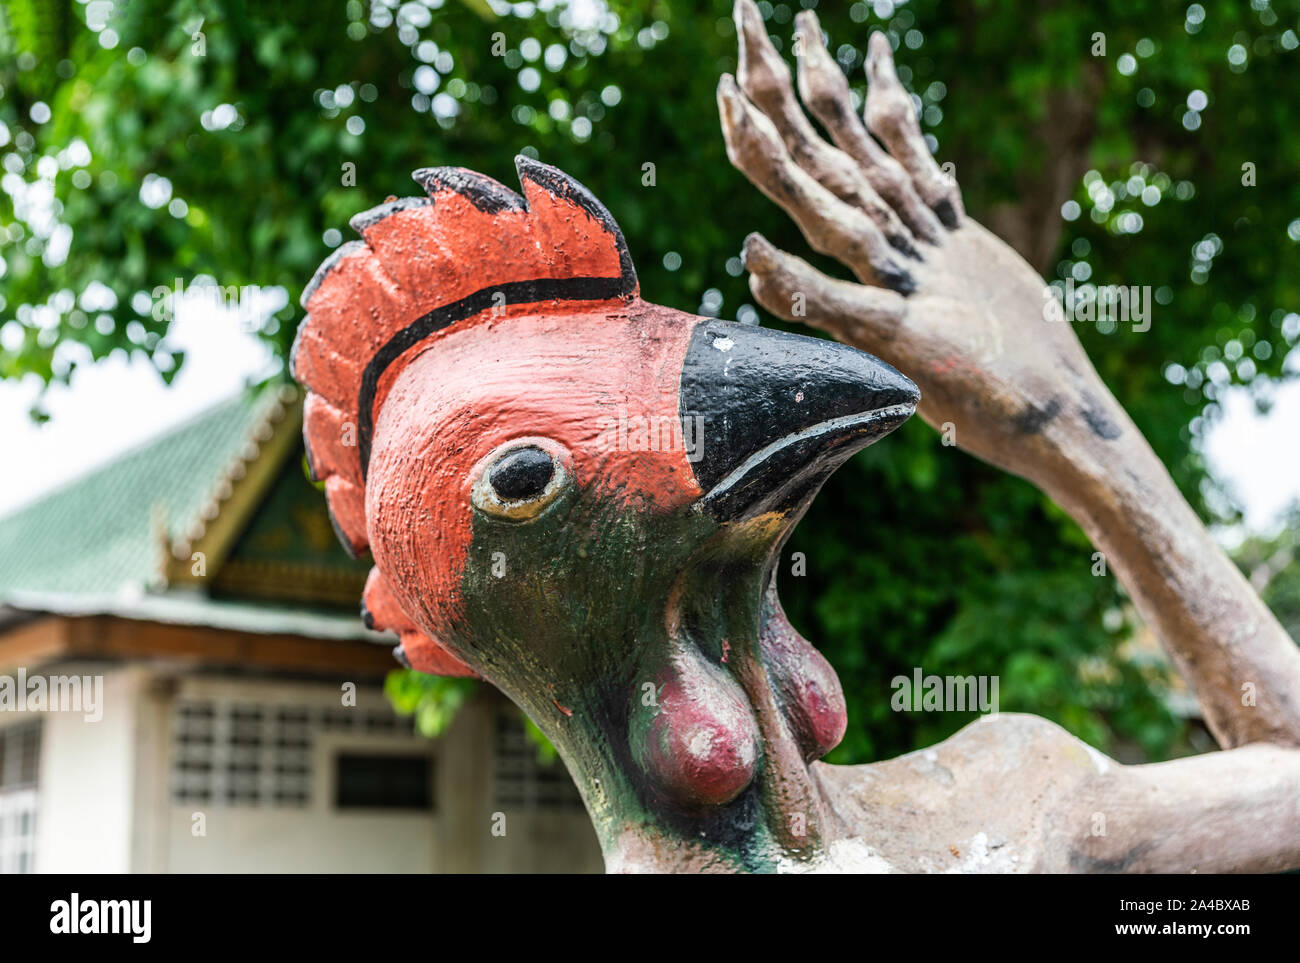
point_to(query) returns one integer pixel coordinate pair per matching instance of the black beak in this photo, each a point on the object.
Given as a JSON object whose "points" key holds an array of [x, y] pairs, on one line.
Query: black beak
{"points": [[780, 412]]}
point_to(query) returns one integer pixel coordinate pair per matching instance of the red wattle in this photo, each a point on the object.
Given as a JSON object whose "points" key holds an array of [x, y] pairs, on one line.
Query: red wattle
{"points": [[699, 745], [807, 688]]}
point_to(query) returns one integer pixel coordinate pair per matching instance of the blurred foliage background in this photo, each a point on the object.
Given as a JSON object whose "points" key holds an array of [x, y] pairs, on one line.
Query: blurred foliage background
{"points": [[1135, 143]]}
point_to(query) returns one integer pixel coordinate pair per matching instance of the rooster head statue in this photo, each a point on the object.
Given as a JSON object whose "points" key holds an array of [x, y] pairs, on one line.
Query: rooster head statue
{"points": [[580, 497]]}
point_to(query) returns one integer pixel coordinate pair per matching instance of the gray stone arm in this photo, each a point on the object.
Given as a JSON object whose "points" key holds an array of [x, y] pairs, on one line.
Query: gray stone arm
{"points": [[1016, 793], [1000, 371]]}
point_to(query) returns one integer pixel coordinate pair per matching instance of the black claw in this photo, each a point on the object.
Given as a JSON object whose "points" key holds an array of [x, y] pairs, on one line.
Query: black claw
{"points": [[897, 278], [948, 214], [366, 617], [903, 244], [400, 655]]}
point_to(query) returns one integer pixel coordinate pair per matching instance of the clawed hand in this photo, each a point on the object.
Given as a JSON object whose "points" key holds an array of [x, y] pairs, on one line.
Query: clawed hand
{"points": [[940, 297], [958, 311]]}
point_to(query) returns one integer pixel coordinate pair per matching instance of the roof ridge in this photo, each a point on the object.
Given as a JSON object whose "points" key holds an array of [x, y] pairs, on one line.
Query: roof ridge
{"points": [[261, 429]]}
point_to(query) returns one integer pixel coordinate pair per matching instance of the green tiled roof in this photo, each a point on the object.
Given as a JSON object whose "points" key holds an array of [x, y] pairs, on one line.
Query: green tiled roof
{"points": [[100, 534]]}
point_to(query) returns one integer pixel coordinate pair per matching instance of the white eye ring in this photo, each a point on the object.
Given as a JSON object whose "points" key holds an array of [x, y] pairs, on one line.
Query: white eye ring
{"points": [[485, 497]]}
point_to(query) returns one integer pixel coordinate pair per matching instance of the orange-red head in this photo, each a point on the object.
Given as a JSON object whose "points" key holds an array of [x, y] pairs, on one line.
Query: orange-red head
{"points": [[570, 491]]}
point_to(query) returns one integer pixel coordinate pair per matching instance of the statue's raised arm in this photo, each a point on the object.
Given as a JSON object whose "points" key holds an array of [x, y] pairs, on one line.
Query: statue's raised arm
{"points": [[966, 318]]}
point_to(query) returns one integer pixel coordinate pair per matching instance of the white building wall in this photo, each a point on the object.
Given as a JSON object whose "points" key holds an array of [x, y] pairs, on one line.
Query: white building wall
{"points": [[85, 786], [317, 837], [106, 800], [482, 833], [291, 841]]}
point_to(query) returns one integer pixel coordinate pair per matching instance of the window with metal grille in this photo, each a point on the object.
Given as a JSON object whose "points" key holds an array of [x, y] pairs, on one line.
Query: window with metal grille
{"points": [[251, 754], [20, 748], [521, 780]]}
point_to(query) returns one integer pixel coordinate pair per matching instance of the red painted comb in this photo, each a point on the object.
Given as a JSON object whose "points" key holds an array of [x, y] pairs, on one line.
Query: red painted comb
{"points": [[423, 265], [421, 268]]}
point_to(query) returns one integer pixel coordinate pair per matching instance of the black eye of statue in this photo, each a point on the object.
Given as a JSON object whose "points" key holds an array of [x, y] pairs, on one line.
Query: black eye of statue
{"points": [[523, 473]]}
